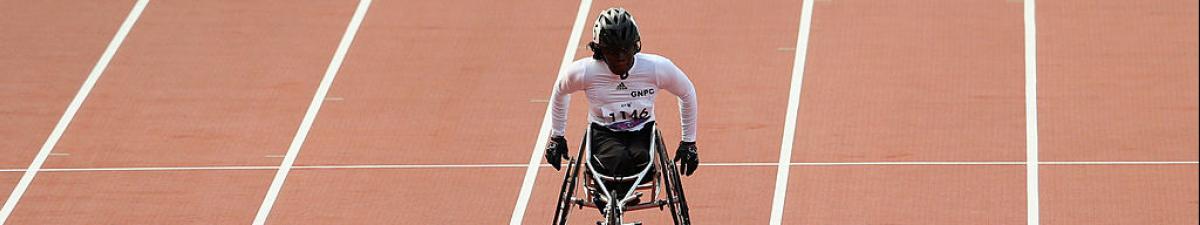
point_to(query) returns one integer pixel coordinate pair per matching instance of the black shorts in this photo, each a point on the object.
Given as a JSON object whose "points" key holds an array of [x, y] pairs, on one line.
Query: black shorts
{"points": [[622, 153]]}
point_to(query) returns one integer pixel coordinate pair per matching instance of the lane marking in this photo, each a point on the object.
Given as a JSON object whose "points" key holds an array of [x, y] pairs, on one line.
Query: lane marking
{"points": [[72, 109], [180, 168], [539, 146], [316, 167], [789, 127], [1031, 126], [421, 166], [315, 106], [1122, 163], [512, 165], [906, 163]]}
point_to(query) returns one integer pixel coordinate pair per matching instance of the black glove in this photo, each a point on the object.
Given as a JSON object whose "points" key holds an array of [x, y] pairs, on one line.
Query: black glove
{"points": [[556, 150], [687, 157]]}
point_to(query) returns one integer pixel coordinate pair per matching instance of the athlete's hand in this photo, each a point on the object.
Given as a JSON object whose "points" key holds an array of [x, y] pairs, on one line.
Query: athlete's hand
{"points": [[556, 150], [687, 157]]}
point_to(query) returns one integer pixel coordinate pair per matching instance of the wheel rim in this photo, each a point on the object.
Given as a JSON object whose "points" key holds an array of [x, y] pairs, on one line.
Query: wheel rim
{"points": [[563, 206], [682, 207], [670, 176]]}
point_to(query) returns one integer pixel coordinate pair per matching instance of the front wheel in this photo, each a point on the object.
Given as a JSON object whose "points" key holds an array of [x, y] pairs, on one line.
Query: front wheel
{"points": [[614, 213]]}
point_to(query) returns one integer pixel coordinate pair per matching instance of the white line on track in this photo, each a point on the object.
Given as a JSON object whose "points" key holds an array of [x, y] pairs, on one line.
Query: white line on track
{"points": [[906, 163], [420, 166], [789, 126], [1121, 163], [1031, 119], [315, 106], [317, 167], [513, 165], [73, 108], [518, 213], [181, 168]]}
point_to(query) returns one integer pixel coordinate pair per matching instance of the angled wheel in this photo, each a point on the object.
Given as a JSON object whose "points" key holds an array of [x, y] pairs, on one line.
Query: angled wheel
{"points": [[676, 201], [567, 192]]}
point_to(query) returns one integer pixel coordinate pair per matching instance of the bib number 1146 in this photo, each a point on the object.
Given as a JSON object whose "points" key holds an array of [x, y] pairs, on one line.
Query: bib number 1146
{"points": [[629, 115]]}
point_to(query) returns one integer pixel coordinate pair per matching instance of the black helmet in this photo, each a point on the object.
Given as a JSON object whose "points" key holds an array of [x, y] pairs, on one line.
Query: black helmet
{"points": [[614, 27]]}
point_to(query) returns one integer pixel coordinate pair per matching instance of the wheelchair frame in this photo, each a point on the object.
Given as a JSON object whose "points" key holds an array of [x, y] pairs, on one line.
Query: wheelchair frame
{"points": [[597, 193]]}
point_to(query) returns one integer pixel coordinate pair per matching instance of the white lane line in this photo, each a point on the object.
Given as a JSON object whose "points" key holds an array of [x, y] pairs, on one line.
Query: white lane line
{"points": [[319, 167], [1123, 163], [765, 164], [181, 168], [518, 213], [547, 165], [315, 106], [1031, 119], [789, 127], [73, 108], [420, 166], [907, 163]]}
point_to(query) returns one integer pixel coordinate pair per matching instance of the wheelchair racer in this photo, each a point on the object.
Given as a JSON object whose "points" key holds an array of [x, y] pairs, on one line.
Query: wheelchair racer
{"points": [[621, 83]]}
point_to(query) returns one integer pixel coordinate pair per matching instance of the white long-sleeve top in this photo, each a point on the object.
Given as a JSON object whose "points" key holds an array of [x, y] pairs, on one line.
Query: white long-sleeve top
{"points": [[624, 104]]}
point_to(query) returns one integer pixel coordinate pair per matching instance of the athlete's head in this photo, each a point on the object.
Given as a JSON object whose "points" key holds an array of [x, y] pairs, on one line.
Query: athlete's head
{"points": [[615, 39]]}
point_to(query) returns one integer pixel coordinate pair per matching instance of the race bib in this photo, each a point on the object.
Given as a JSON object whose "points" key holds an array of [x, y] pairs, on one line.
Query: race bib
{"points": [[627, 115]]}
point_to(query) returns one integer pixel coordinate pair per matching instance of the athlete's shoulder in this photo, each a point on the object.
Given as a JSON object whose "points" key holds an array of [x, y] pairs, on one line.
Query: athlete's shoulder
{"points": [[657, 62], [585, 61], [653, 58], [581, 66]]}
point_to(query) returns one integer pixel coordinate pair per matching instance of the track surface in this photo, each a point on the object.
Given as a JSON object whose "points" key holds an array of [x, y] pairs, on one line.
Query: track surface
{"points": [[911, 112]]}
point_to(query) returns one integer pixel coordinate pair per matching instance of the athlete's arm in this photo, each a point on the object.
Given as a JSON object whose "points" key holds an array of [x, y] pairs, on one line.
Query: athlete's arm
{"points": [[561, 99], [673, 80], [556, 148]]}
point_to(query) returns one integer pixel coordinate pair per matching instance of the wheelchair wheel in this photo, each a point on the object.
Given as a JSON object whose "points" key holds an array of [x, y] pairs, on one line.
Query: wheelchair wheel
{"points": [[571, 177], [676, 200]]}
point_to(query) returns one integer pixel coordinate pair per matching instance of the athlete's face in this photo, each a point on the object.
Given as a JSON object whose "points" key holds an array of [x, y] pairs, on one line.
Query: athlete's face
{"points": [[619, 59]]}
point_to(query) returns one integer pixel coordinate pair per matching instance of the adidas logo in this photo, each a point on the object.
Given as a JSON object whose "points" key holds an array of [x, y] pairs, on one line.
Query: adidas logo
{"points": [[621, 86]]}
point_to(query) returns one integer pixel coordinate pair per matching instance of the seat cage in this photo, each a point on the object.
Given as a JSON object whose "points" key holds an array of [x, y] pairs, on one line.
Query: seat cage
{"points": [[637, 179]]}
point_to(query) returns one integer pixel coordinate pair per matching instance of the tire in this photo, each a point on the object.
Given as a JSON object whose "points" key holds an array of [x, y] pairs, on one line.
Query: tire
{"points": [[676, 200], [681, 200], [570, 178]]}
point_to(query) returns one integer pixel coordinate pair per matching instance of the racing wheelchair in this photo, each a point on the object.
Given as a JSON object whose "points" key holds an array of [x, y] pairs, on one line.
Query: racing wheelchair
{"points": [[613, 196]]}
